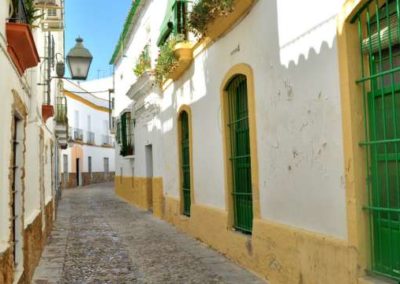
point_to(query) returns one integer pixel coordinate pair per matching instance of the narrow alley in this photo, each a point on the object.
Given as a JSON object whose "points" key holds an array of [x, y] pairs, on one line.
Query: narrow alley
{"points": [[98, 238]]}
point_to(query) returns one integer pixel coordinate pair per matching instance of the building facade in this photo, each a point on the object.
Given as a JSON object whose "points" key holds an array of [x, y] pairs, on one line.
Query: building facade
{"points": [[33, 131], [268, 130], [90, 157]]}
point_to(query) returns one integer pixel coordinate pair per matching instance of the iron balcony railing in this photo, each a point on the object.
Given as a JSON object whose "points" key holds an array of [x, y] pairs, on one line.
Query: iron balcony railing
{"points": [[61, 110], [77, 134], [19, 14], [106, 140], [90, 137]]}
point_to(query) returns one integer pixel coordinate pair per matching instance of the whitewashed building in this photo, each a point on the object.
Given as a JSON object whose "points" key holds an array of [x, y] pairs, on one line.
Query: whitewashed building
{"points": [[90, 157], [33, 131], [270, 133]]}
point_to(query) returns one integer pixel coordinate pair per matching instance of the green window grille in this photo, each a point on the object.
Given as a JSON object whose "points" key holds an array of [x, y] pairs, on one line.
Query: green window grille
{"points": [[240, 154], [175, 21], [186, 173], [126, 134], [379, 34]]}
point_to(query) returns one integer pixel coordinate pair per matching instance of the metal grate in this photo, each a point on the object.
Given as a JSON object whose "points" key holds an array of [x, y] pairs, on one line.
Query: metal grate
{"points": [[127, 147], [186, 176], [240, 154], [180, 18], [379, 37]]}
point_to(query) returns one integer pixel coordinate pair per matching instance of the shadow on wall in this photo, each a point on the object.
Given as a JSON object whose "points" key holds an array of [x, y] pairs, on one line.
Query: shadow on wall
{"points": [[298, 118]]}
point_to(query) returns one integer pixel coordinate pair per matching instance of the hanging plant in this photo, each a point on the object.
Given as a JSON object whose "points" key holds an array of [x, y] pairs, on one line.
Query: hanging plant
{"points": [[166, 61], [206, 11], [31, 12], [143, 63]]}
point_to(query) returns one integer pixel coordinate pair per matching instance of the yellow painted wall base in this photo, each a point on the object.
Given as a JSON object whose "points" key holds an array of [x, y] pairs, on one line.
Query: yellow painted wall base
{"points": [[158, 198], [145, 193], [278, 253]]}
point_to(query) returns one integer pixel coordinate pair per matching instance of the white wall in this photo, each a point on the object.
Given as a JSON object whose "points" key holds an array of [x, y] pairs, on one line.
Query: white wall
{"points": [[99, 123], [292, 52], [31, 95], [98, 119], [98, 154]]}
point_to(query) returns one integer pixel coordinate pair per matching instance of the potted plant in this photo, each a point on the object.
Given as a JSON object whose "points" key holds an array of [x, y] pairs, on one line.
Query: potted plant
{"points": [[174, 58], [166, 61], [206, 11], [143, 63], [21, 45], [211, 18]]}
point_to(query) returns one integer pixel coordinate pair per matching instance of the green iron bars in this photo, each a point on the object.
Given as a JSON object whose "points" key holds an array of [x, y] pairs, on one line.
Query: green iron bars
{"points": [[379, 38], [185, 162], [126, 135], [240, 158]]}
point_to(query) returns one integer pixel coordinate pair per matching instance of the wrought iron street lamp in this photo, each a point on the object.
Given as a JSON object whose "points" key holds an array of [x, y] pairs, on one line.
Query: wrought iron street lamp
{"points": [[79, 59]]}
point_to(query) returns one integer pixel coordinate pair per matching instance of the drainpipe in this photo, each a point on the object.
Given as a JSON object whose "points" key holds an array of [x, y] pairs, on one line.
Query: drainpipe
{"points": [[49, 43]]}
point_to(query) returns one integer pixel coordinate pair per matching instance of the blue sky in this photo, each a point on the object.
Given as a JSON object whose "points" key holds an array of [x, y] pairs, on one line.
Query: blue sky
{"points": [[99, 23]]}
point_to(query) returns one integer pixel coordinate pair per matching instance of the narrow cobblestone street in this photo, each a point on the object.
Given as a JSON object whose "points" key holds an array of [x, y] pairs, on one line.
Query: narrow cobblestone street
{"points": [[97, 238]]}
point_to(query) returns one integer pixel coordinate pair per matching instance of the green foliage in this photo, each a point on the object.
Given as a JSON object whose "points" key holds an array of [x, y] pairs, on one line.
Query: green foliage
{"points": [[166, 61], [205, 11], [144, 62], [31, 12]]}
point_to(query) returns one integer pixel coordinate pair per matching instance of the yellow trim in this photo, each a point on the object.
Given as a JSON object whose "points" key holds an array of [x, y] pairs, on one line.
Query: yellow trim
{"points": [[184, 53], [86, 102], [85, 91], [247, 71], [145, 193], [187, 109], [353, 132]]}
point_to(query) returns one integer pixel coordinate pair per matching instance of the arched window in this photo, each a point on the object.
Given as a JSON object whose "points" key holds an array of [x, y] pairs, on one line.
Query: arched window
{"points": [[240, 157], [379, 37]]}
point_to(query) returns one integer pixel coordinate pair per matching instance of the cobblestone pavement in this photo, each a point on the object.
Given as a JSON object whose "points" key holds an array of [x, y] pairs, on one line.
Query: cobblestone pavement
{"points": [[98, 238]]}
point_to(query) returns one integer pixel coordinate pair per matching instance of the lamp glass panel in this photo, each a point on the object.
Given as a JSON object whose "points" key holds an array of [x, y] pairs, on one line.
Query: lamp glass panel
{"points": [[79, 67]]}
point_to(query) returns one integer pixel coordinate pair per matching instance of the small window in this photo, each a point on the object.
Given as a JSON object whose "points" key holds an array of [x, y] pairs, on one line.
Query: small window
{"points": [[175, 22], [52, 12]]}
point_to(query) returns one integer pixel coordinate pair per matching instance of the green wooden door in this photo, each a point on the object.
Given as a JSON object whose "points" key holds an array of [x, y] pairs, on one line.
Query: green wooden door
{"points": [[186, 175], [240, 154]]}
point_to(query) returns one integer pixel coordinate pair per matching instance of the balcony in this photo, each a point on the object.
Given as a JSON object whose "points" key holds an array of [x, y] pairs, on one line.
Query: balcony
{"points": [[90, 138], [213, 21], [61, 110], [61, 119], [21, 45], [107, 140], [76, 134], [52, 14], [183, 52]]}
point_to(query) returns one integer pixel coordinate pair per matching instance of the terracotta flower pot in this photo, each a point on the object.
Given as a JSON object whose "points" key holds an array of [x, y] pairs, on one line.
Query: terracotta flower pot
{"points": [[47, 112], [21, 46]]}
